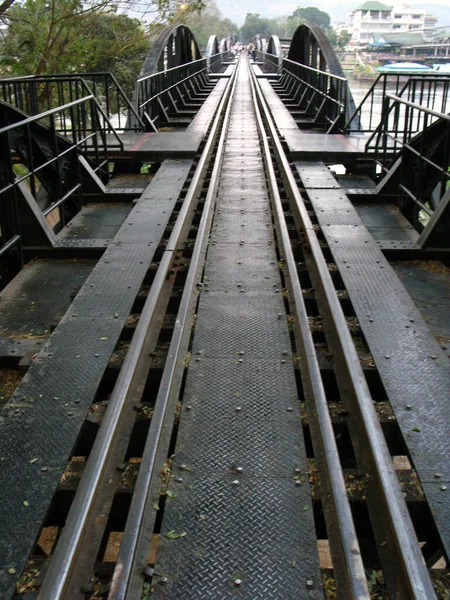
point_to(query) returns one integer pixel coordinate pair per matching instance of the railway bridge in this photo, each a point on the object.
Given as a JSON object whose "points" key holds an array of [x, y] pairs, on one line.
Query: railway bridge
{"points": [[225, 330]]}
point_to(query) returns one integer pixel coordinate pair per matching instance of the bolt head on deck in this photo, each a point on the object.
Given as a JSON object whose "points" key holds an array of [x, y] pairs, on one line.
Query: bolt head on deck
{"points": [[310, 583], [237, 582]]}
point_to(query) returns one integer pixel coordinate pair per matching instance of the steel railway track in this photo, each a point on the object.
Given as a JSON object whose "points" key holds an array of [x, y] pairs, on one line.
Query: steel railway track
{"points": [[377, 535]]}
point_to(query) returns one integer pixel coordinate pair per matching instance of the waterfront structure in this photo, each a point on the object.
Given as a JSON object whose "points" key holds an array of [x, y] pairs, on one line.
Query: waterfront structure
{"points": [[374, 17]]}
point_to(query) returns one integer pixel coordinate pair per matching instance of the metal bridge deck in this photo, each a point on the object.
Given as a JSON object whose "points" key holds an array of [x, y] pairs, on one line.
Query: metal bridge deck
{"points": [[305, 143], [410, 361], [174, 144], [242, 493], [78, 351]]}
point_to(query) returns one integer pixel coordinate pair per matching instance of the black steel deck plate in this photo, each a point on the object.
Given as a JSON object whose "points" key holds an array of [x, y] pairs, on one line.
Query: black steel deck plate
{"points": [[97, 221], [414, 370], [35, 300], [244, 414], [43, 418]]}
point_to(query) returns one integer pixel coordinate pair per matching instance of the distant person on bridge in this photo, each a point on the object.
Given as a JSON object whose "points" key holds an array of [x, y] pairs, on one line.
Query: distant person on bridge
{"points": [[252, 50]]}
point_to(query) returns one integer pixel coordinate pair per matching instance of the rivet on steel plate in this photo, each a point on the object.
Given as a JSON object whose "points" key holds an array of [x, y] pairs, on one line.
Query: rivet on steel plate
{"points": [[163, 580], [289, 409], [279, 315], [386, 356], [238, 408], [437, 475], [237, 582], [408, 406], [179, 479], [298, 482], [240, 360], [433, 356], [283, 362], [239, 262], [44, 469], [310, 583], [188, 407], [297, 470], [443, 488], [239, 469], [235, 482], [183, 467]]}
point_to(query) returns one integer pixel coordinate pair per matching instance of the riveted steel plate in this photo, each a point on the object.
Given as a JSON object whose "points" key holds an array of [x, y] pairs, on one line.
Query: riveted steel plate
{"points": [[438, 494], [236, 321], [254, 400], [61, 384], [228, 266], [242, 227], [428, 284], [412, 366], [97, 221], [255, 532], [314, 175], [240, 423], [37, 298]]}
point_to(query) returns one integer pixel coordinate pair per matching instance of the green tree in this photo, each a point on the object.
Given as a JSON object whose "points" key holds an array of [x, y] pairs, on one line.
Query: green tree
{"points": [[210, 22], [62, 36], [309, 14], [256, 25]]}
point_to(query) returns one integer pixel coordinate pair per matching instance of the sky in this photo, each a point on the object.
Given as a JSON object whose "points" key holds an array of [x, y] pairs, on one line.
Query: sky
{"points": [[237, 9]]}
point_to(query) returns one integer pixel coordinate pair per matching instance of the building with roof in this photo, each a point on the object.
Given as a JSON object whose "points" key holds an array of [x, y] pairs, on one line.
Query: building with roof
{"points": [[433, 42], [375, 18]]}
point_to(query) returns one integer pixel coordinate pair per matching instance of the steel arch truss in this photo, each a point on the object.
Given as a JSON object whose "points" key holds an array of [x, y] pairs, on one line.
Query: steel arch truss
{"points": [[173, 47], [323, 87], [173, 78]]}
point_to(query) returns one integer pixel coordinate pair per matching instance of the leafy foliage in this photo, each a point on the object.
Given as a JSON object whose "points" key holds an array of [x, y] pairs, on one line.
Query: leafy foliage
{"points": [[69, 36], [210, 22]]}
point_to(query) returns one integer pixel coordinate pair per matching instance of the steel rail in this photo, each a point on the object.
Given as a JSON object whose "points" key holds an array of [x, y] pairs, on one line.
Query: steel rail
{"points": [[413, 572], [140, 524], [349, 568], [63, 561]]}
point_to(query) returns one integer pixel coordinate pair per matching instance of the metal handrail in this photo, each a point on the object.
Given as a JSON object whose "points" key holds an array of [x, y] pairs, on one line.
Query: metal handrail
{"points": [[171, 87], [152, 89], [321, 94], [171, 70], [415, 85], [400, 123], [18, 91], [85, 134]]}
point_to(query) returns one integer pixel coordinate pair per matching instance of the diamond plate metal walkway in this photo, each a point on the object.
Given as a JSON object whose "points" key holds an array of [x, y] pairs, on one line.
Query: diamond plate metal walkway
{"points": [[242, 505]]}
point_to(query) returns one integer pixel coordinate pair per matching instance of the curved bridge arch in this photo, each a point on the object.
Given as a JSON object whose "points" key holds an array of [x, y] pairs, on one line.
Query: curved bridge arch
{"points": [[311, 47], [274, 47], [172, 47], [211, 49]]}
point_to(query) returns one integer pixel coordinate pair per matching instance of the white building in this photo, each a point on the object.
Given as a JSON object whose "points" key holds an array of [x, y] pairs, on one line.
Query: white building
{"points": [[373, 17]]}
